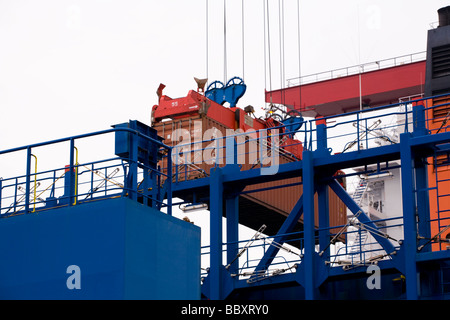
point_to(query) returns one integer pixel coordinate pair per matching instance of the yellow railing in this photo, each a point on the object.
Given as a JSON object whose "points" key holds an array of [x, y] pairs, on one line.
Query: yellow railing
{"points": [[35, 182], [76, 175]]}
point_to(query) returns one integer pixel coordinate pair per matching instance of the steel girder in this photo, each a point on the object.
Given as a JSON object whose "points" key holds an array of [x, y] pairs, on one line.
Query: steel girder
{"points": [[317, 169]]}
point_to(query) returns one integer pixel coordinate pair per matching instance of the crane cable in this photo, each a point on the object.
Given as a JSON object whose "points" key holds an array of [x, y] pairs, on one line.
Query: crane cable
{"points": [[267, 47], [299, 65], [225, 54], [225, 41], [281, 35], [243, 41], [207, 37]]}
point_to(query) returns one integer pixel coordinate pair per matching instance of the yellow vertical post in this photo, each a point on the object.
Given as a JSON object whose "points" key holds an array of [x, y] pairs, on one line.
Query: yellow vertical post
{"points": [[76, 175], [35, 182]]}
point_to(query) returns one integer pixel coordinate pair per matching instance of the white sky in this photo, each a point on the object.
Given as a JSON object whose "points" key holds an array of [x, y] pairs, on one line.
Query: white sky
{"points": [[69, 67]]}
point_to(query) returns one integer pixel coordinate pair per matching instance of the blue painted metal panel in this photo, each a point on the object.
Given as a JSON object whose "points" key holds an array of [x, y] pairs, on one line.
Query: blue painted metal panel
{"points": [[232, 214], [409, 217], [216, 208], [308, 224], [124, 250], [162, 256], [38, 249], [147, 150]]}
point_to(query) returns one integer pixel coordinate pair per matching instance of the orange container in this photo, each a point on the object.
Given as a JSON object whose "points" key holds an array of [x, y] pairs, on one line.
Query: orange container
{"points": [[439, 173]]}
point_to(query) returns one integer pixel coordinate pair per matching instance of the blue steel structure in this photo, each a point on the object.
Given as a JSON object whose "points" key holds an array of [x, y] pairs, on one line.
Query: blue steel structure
{"points": [[406, 272], [97, 233], [113, 242], [51, 219]]}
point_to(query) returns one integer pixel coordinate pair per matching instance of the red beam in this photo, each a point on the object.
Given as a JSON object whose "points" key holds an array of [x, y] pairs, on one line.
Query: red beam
{"points": [[340, 95]]}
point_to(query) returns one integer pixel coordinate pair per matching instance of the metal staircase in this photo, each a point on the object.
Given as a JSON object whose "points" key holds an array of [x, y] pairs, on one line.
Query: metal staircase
{"points": [[358, 244], [360, 191], [362, 235]]}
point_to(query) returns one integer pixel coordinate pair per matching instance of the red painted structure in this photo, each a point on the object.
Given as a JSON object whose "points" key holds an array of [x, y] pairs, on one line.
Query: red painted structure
{"points": [[341, 95], [262, 203], [196, 104]]}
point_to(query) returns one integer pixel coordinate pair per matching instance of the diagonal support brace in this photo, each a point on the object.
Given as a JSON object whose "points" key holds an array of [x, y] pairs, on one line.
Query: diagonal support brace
{"points": [[281, 236], [362, 217]]}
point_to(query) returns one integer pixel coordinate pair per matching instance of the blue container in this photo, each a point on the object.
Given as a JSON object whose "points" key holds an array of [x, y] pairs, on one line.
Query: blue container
{"points": [[110, 249]]}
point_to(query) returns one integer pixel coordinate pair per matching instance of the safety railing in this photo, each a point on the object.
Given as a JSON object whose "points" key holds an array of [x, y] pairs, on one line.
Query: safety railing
{"points": [[345, 249], [380, 126], [249, 253], [45, 184], [252, 149], [50, 188], [354, 131], [363, 129], [357, 69], [360, 247]]}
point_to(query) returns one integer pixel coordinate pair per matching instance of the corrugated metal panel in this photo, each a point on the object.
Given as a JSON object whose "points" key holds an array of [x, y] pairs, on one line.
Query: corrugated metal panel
{"points": [[283, 200]]}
